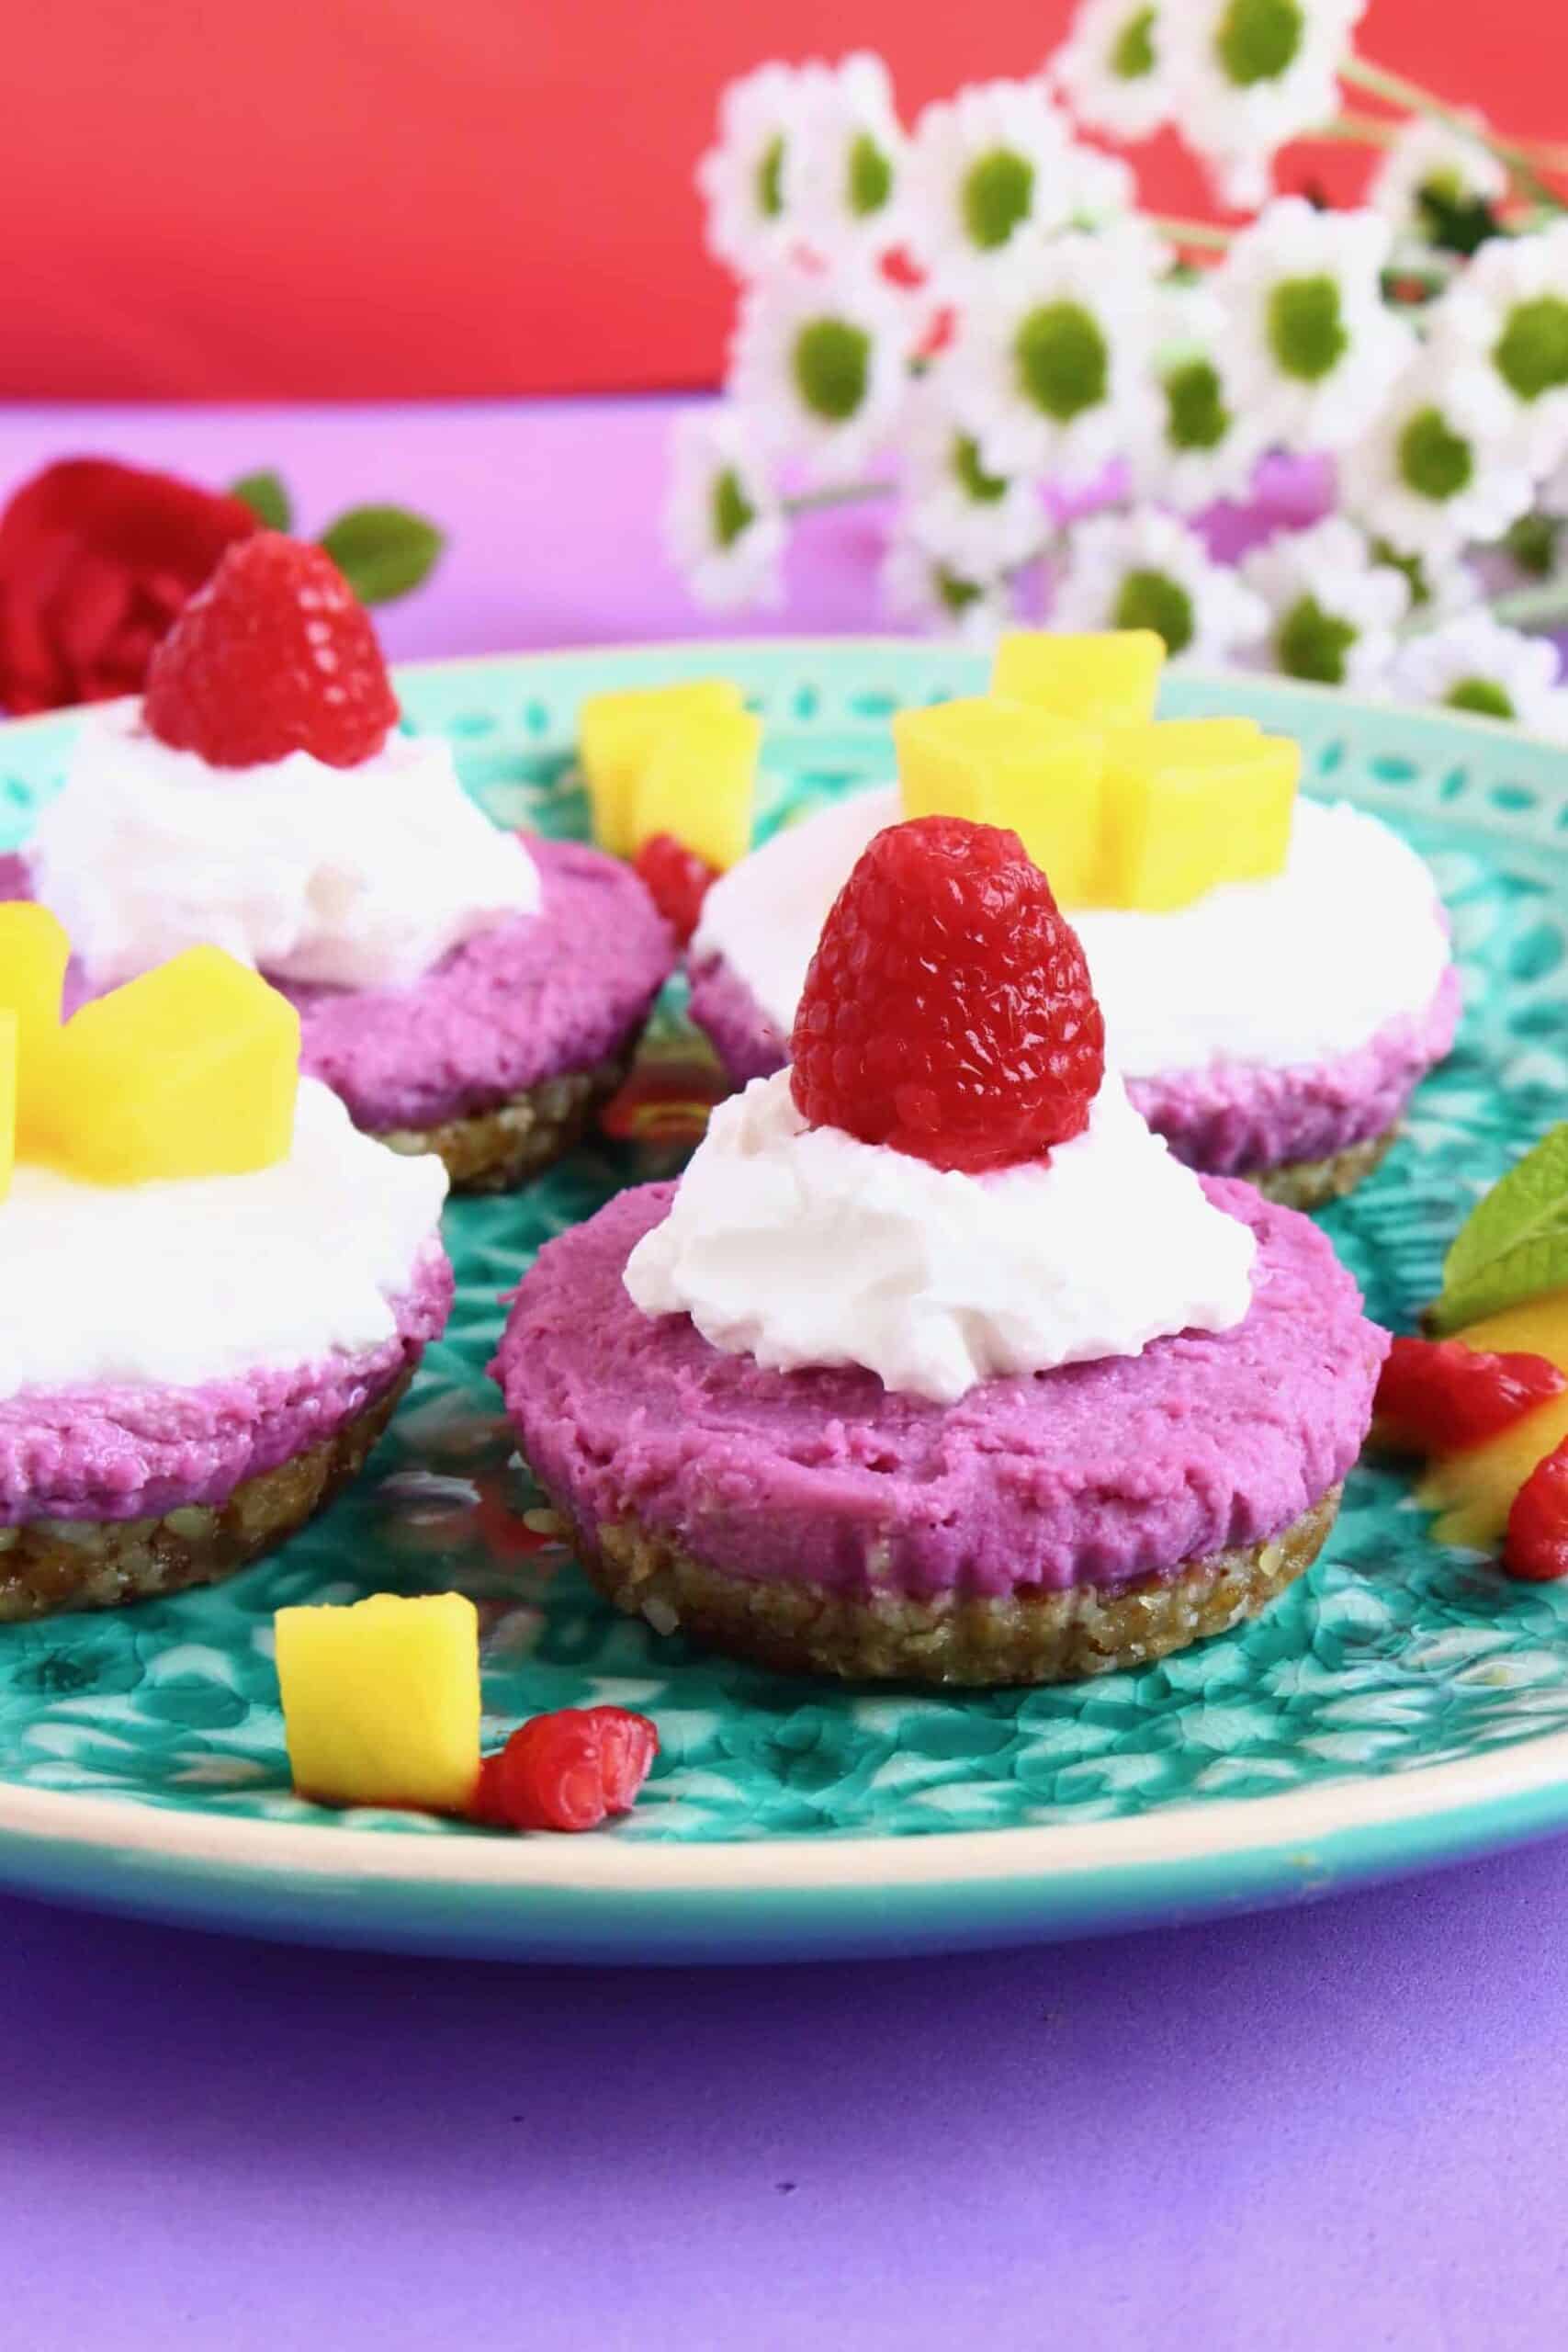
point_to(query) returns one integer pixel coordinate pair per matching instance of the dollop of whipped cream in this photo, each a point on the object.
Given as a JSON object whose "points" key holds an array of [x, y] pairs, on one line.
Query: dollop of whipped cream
{"points": [[184, 1283], [801, 1246], [1296, 969], [361, 878]]}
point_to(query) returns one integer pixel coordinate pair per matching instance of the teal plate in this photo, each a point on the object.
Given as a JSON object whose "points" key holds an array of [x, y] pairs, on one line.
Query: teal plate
{"points": [[1401, 1706]]}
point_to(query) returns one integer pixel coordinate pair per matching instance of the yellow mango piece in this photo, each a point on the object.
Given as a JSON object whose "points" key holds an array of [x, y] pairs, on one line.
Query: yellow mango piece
{"points": [[8, 1099], [382, 1701], [1107, 679], [1189, 810], [617, 732], [190, 1070], [34, 952], [1001, 763], [1474, 1490], [699, 783]]}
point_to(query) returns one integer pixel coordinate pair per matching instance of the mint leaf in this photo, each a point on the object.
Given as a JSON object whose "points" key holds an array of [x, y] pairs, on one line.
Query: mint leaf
{"points": [[1514, 1244], [268, 499], [382, 551]]}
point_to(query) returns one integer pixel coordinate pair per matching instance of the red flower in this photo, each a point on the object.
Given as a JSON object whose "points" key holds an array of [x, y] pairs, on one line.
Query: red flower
{"points": [[96, 560]]}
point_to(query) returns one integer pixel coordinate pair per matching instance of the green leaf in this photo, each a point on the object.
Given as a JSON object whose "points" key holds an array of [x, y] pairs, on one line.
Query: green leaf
{"points": [[1514, 1244], [266, 497], [382, 551]]}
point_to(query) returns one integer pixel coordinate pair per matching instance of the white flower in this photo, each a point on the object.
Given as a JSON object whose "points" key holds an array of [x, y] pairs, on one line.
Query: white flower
{"points": [[818, 365], [1147, 570], [742, 178], [1312, 348], [1247, 76], [723, 523], [988, 171], [1196, 440], [842, 168], [977, 521], [1051, 360], [1333, 608], [1432, 470], [1108, 69], [919, 585], [1510, 309], [1476, 664], [1439, 592], [1425, 155], [1098, 189]]}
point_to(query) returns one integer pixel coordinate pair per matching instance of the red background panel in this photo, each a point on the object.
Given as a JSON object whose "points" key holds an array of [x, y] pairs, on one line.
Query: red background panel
{"points": [[393, 196]]}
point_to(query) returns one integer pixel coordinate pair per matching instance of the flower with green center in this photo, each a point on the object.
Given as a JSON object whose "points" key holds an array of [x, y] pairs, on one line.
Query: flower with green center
{"points": [[1110, 68], [1195, 443], [1507, 310], [1309, 348], [745, 177], [1147, 570], [1532, 353], [1427, 155], [996, 197], [988, 169], [1333, 608], [1435, 462], [1474, 665], [770, 178], [844, 167], [723, 523], [1484, 696], [870, 177], [1196, 414], [1306, 330], [977, 521], [818, 367], [921, 585], [1247, 76], [1434, 470], [971, 475], [1062, 359], [831, 360]]}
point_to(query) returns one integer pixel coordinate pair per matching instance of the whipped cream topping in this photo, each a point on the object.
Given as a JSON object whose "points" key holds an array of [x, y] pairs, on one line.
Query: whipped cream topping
{"points": [[185, 1283], [1302, 967], [801, 1246], [362, 876]]}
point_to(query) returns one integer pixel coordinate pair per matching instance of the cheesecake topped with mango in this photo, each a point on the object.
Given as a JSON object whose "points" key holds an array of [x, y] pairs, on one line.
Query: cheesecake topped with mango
{"points": [[1274, 972]]}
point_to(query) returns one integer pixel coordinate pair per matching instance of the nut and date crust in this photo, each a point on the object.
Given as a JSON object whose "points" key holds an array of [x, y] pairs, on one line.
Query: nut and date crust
{"points": [[1030, 1636], [492, 1151], [50, 1565], [1313, 1183]]}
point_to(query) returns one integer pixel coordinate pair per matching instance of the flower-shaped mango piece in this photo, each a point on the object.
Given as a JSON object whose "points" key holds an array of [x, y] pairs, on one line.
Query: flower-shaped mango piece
{"points": [[34, 952], [699, 784], [1002, 763], [382, 1701], [1191, 804], [618, 734], [1107, 679], [191, 1071]]}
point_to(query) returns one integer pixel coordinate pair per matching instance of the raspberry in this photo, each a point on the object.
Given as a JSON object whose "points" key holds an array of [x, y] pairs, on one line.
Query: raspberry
{"points": [[1439, 1397], [1536, 1547], [948, 1011], [676, 880], [567, 1770], [275, 655]]}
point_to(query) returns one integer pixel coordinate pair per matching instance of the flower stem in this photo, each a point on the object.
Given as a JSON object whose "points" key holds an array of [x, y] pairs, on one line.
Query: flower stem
{"points": [[1541, 608], [1190, 233], [849, 494], [1357, 129], [1400, 91]]}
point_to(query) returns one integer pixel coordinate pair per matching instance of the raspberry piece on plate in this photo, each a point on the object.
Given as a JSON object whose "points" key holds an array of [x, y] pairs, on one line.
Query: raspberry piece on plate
{"points": [[948, 1011], [567, 1770], [1536, 1547], [677, 880], [274, 654], [1439, 1397]]}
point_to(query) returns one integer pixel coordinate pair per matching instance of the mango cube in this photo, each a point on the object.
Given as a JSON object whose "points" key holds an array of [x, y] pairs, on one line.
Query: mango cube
{"points": [[699, 784], [1107, 679], [191, 1071], [382, 1701], [34, 952], [1192, 803], [616, 734], [1003, 763], [8, 1099], [1473, 1492]]}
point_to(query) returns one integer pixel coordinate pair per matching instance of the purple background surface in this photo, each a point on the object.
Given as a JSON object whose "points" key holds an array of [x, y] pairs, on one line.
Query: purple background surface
{"points": [[1339, 2126]]}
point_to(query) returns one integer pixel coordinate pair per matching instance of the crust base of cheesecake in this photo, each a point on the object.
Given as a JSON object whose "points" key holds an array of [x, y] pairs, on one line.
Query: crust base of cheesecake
{"points": [[1312, 1183], [492, 1151], [50, 1565], [1030, 1636]]}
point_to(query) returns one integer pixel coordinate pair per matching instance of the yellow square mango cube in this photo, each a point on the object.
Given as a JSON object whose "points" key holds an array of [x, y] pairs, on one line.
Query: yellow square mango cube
{"points": [[699, 784], [8, 1099], [1183, 818], [617, 732], [1473, 1490], [1109, 678], [190, 1070], [382, 1701], [34, 952], [1001, 763]]}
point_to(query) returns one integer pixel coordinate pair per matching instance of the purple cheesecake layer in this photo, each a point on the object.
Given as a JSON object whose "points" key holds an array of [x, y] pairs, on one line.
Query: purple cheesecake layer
{"points": [[1230, 1119], [135, 1452], [1094, 1473], [535, 998]]}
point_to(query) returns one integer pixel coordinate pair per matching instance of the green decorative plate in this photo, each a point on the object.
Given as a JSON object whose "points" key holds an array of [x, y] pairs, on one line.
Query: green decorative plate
{"points": [[1401, 1706]]}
